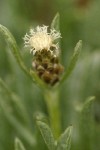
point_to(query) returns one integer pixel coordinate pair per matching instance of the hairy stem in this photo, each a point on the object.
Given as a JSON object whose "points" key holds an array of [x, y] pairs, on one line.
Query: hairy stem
{"points": [[52, 102]]}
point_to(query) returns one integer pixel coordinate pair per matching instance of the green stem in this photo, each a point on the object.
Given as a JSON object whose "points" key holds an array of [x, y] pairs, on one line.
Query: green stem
{"points": [[52, 102]]}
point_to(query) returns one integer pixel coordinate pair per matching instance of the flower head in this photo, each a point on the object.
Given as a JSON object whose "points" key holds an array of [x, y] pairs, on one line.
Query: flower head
{"points": [[39, 39]]}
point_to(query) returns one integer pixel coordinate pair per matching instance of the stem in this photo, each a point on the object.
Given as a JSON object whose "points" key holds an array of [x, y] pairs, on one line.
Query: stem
{"points": [[52, 102]]}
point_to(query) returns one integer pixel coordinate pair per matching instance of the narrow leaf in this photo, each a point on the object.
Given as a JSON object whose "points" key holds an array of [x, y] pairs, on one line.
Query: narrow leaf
{"points": [[15, 99], [88, 103], [14, 48], [64, 142], [21, 129], [73, 61], [15, 51], [19, 145], [55, 22], [47, 135], [37, 79], [87, 125]]}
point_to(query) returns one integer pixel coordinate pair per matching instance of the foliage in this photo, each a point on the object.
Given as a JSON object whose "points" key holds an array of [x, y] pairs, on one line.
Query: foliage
{"points": [[23, 95]]}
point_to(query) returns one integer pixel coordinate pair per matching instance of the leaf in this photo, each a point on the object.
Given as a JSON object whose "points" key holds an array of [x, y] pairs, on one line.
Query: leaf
{"points": [[87, 124], [14, 48], [64, 142], [37, 79], [87, 104], [15, 51], [15, 99], [55, 22], [86, 112], [47, 135], [18, 145], [20, 128], [73, 61]]}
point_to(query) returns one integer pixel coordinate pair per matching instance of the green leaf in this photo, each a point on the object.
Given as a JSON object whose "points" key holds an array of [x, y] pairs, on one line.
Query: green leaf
{"points": [[15, 100], [14, 48], [20, 128], [87, 124], [15, 51], [55, 22], [64, 142], [18, 145], [37, 79], [86, 112], [73, 61], [47, 135], [87, 105]]}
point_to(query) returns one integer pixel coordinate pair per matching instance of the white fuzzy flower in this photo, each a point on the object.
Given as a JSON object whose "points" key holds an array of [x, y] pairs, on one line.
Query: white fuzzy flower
{"points": [[39, 39]]}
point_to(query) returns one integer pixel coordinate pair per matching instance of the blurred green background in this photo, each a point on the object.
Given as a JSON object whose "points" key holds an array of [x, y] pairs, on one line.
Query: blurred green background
{"points": [[79, 19]]}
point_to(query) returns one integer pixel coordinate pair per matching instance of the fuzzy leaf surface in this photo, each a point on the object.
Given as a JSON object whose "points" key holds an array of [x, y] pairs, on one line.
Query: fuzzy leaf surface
{"points": [[87, 125], [19, 145], [64, 142], [16, 53], [13, 46], [47, 135], [15, 123], [55, 22], [73, 61], [14, 99]]}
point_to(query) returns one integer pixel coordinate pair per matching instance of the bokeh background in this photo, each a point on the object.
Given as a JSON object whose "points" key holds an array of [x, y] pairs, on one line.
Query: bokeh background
{"points": [[79, 19]]}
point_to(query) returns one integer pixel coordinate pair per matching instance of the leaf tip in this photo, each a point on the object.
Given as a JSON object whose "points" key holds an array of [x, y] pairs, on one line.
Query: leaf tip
{"points": [[16, 140], [40, 123], [55, 22], [57, 15], [70, 128], [79, 45], [18, 144], [90, 99]]}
